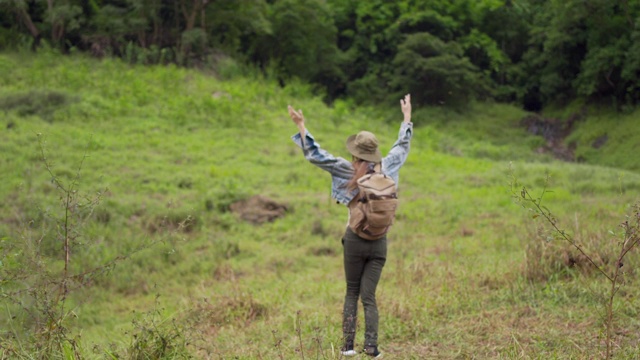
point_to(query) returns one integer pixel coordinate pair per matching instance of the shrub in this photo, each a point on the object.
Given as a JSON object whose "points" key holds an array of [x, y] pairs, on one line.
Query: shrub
{"points": [[40, 103]]}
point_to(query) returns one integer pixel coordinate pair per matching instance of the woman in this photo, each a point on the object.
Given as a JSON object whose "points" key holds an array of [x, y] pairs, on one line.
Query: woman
{"points": [[363, 259]]}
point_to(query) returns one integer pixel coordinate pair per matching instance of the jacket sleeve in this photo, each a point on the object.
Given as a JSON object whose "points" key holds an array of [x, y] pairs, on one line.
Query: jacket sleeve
{"points": [[399, 151], [337, 166]]}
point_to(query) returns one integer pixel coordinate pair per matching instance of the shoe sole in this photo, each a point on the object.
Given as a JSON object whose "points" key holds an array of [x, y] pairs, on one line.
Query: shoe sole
{"points": [[379, 356]]}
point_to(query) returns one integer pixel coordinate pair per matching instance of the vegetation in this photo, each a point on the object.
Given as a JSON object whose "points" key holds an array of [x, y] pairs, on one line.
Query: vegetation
{"points": [[609, 265], [184, 273], [533, 53]]}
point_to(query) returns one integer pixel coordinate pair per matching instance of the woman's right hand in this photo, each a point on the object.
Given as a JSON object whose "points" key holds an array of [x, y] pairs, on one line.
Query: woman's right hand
{"points": [[298, 119]]}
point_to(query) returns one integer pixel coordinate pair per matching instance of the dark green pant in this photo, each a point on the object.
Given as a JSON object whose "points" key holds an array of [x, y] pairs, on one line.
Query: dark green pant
{"points": [[363, 263]]}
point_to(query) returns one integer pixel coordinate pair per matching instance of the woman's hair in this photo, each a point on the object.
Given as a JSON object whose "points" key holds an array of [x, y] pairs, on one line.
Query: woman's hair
{"points": [[360, 168]]}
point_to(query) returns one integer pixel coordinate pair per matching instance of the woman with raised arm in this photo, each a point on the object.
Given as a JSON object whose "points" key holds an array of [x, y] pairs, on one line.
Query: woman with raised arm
{"points": [[363, 258]]}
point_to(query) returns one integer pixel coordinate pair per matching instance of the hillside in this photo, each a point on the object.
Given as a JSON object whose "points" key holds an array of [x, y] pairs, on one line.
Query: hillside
{"points": [[172, 153]]}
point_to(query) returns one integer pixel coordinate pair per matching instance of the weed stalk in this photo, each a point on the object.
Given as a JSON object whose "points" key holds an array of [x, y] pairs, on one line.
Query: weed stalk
{"points": [[615, 277], [299, 333]]}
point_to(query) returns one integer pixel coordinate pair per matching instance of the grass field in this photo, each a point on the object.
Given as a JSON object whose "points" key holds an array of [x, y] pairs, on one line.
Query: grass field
{"points": [[470, 273]]}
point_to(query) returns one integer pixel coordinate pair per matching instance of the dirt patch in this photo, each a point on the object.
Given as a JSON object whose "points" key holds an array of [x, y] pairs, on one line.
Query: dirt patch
{"points": [[258, 209], [554, 131]]}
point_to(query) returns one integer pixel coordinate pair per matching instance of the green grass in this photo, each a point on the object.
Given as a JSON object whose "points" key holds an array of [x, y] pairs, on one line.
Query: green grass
{"points": [[165, 143]]}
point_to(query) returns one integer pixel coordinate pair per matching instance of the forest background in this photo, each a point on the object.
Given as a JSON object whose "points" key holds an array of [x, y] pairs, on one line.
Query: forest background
{"points": [[152, 205], [528, 52]]}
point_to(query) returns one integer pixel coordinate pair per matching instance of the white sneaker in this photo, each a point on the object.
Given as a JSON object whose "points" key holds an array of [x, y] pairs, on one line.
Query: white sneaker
{"points": [[347, 350]]}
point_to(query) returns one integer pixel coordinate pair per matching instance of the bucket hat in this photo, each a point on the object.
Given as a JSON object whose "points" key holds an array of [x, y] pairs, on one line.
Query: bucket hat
{"points": [[364, 145]]}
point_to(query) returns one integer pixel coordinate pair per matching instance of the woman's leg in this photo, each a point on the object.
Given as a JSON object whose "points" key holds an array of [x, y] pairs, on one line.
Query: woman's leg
{"points": [[354, 263], [363, 263], [369, 282], [370, 278]]}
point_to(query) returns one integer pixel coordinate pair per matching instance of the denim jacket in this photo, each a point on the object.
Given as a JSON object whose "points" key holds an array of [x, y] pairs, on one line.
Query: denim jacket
{"points": [[341, 169]]}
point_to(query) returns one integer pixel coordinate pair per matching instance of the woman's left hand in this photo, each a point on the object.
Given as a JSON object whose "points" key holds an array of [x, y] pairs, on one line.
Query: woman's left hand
{"points": [[405, 105]]}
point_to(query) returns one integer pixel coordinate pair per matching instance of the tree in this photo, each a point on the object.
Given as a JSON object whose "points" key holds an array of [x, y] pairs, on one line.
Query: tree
{"points": [[62, 17], [436, 72], [302, 44], [607, 69], [371, 34], [580, 48], [631, 66], [23, 14], [236, 27]]}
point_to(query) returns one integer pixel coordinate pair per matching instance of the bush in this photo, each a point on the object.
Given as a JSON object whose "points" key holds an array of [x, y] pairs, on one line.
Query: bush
{"points": [[155, 337], [40, 103], [9, 38]]}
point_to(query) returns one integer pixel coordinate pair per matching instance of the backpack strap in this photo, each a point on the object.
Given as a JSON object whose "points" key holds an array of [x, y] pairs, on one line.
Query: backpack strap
{"points": [[377, 167]]}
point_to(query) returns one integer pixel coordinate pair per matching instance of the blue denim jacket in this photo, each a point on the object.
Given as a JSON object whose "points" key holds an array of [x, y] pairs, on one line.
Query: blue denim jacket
{"points": [[341, 169]]}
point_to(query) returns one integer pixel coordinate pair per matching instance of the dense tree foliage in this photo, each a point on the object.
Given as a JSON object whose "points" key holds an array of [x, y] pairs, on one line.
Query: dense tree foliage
{"points": [[531, 52]]}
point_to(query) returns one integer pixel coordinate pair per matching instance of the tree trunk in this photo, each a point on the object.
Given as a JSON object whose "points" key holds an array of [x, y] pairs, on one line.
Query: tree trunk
{"points": [[203, 26], [51, 20], [26, 19], [190, 17], [24, 16], [155, 38], [57, 27]]}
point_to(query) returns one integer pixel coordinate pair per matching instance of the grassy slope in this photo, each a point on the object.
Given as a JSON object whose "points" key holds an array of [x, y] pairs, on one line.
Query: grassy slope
{"points": [[168, 143]]}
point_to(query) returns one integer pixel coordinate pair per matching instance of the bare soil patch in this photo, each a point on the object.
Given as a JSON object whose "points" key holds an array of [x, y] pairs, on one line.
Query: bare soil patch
{"points": [[258, 209], [555, 131]]}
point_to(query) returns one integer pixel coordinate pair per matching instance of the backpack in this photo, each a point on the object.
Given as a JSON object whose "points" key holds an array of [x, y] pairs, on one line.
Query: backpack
{"points": [[373, 211]]}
